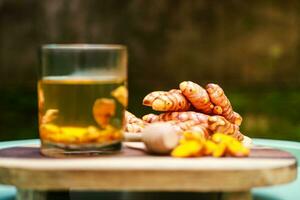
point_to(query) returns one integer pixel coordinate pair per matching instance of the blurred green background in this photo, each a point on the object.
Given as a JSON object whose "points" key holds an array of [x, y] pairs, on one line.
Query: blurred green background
{"points": [[251, 48]]}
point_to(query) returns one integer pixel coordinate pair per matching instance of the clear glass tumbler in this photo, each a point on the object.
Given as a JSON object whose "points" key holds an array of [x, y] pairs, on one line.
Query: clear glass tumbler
{"points": [[82, 96]]}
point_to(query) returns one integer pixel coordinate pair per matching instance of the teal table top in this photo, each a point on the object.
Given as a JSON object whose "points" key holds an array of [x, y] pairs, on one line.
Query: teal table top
{"points": [[289, 191]]}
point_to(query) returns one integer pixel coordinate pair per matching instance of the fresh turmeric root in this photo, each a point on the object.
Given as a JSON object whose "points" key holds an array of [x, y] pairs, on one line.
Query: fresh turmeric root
{"points": [[200, 118], [183, 126], [220, 124], [149, 98], [193, 108], [218, 97], [172, 100], [149, 118], [133, 124], [214, 123], [197, 96]]}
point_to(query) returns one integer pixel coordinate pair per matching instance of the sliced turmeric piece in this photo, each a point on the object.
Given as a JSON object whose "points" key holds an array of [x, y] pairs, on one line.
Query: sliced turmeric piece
{"points": [[187, 149], [121, 94], [48, 129], [103, 110], [194, 135], [237, 149], [50, 115], [220, 150], [221, 138], [209, 148]]}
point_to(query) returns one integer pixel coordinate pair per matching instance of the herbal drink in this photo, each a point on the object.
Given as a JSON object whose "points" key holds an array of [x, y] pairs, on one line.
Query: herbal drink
{"points": [[79, 113]]}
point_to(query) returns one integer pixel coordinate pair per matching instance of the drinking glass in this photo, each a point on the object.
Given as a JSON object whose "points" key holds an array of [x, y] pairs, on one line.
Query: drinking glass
{"points": [[82, 96]]}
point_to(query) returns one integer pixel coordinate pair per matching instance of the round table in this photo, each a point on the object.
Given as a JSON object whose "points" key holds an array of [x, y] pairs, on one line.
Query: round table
{"points": [[287, 191]]}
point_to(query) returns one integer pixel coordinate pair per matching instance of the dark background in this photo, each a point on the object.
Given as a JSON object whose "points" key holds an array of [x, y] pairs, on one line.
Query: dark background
{"points": [[251, 48]]}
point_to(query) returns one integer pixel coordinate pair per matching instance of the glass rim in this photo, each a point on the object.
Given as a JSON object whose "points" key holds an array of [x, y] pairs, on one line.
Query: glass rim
{"points": [[83, 47]]}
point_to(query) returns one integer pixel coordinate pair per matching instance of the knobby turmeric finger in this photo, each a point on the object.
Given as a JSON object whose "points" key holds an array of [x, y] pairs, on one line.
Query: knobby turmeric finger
{"points": [[197, 96], [133, 128], [200, 118], [131, 118], [149, 118], [149, 98], [218, 97], [201, 129], [167, 101], [217, 110], [214, 123], [183, 126], [132, 123]]}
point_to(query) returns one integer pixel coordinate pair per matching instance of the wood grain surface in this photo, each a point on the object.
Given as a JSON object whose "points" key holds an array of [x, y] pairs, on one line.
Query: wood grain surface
{"points": [[133, 169]]}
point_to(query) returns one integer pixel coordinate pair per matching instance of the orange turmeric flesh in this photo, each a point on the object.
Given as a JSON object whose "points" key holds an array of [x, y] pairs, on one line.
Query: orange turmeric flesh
{"points": [[192, 144]]}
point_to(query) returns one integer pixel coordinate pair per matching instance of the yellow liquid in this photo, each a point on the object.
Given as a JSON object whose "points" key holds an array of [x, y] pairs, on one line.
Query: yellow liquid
{"points": [[67, 112]]}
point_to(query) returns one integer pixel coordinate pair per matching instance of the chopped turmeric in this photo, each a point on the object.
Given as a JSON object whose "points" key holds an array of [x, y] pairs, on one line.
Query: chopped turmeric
{"points": [[193, 144], [50, 115], [194, 135], [237, 149], [121, 94], [149, 118], [187, 149], [103, 110], [220, 150], [209, 148]]}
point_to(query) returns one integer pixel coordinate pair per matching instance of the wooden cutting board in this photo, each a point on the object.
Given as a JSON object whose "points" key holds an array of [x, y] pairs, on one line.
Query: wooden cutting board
{"points": [[133, 169]]}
